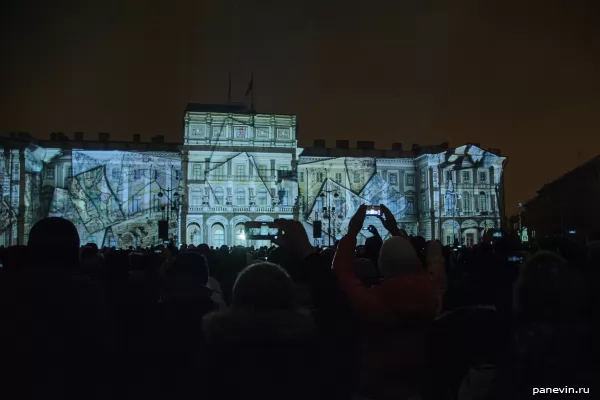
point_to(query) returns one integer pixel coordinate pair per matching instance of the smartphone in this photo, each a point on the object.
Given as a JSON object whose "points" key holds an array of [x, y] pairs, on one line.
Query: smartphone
{"points": [[256, 230], [157, 251], [497, 234], [373, 211], [515, 259]]}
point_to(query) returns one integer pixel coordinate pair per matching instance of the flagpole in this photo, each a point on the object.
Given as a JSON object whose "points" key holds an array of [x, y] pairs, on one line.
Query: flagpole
{"points": [[252, 98]]}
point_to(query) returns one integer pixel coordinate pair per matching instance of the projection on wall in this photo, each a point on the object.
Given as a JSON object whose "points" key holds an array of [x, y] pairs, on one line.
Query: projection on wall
{"points": [[270, 187], [112, 197], [332, 190]]}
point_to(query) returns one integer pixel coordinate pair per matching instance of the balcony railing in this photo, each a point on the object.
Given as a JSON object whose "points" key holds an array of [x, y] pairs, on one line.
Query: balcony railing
{"points": [[241, 209], [241, 178]]}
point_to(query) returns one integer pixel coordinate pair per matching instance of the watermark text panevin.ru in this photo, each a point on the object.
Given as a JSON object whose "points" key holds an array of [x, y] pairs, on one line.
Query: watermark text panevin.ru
{"points": [[563, 390]]}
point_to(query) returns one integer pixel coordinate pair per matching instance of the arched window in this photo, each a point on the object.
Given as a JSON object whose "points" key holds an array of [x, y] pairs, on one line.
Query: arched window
{"points": [[466, 201], [262, 196], [482, 201], [240, 238], [240, 197], [219, 196], [218, 235]]}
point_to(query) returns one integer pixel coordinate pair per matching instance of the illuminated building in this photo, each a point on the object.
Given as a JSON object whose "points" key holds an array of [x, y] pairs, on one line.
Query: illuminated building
{"points": [[434, 192], [238, 166], [109, 190], [235, 166]]}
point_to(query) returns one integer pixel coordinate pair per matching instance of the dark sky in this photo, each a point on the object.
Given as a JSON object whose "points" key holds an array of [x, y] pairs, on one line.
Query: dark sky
{"points": [[518, 75]]}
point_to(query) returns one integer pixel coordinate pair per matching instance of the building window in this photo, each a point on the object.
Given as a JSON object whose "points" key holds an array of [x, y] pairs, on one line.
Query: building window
{"points": [[137, 174], [196, 200], [240, 197], [319, 177], [69, 172], [338, 177], [466, 201], [156, 174], [482, 177], [240, 237], [262, 171], [240, 132], [49, 172], [116, 173], [422, 177], [410, 180], [240, 170], [410, 206], [466, 176], [136, 204], [156, 203], [356, 178], [197, 171], [178, 175], [301, 177], [448, 175], [393, 179], [262, 196], [218, 235], [219, 196], [482, 201]]}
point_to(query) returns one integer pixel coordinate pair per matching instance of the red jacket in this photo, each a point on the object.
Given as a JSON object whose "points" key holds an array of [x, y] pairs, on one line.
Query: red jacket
{"points": [[394, 318]]}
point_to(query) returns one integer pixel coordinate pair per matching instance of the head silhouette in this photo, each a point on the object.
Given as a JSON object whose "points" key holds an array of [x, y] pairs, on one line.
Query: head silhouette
{"points": [[264, 287], [54, 242]]}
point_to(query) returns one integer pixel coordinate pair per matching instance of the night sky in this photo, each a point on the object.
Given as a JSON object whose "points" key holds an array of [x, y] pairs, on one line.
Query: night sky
{"points": [[522, 76]]}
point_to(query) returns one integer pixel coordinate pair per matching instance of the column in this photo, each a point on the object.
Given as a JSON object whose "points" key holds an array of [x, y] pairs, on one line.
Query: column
{"points": [[185, 201], [401, 181], [21, 216]]}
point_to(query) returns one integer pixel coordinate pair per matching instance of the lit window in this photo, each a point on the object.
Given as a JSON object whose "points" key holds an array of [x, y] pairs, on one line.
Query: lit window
{"points": [[410, 206], [240, 170], [262, 196], [197, 171], [240, 197], [219, 196]]}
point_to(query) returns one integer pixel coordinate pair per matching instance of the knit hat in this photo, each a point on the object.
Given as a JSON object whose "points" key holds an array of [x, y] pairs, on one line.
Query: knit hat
{"points": [[397, 257]]}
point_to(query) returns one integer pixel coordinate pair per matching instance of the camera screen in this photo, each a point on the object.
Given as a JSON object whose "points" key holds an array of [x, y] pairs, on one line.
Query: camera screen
{"points": [[515, 259], [497, 234], [374, 210], [256, 230]]}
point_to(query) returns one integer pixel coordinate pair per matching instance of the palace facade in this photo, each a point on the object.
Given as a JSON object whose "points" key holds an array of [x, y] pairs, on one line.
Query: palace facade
{"points": [[234, 166]]}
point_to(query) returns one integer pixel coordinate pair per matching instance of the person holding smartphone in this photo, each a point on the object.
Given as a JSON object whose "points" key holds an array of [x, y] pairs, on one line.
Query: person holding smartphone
{"points": [[394, 316]]}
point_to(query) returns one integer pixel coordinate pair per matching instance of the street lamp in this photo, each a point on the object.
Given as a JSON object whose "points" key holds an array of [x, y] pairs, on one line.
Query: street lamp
{"points": [[328, 210], [174, 203]]}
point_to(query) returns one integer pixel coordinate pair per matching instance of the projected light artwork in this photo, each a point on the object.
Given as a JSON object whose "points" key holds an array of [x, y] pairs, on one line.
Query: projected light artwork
{"points": [[236, 166], [112, 197]]}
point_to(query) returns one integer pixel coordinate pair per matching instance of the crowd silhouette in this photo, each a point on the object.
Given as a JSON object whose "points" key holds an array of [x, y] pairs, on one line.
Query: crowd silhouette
{"points": [[399, 318]]}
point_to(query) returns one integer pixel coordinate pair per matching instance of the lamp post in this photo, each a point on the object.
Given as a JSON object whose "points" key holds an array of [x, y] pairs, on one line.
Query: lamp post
{"points": [[173, 203], [328, 210]]}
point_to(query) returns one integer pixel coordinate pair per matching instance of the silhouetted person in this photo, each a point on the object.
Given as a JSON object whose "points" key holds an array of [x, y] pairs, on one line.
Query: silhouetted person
{"points": [[73, 339], [263, 343]]}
